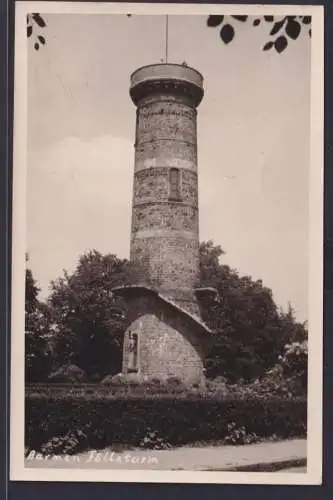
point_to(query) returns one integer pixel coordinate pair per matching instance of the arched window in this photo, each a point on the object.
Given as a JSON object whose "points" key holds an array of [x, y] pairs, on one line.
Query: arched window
{"points": [[174, 183]]}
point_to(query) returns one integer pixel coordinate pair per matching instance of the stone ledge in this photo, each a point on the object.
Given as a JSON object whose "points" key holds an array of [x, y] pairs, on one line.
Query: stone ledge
{"points": [[146, 290], [173, 79], [165, 202], [164, 233]]}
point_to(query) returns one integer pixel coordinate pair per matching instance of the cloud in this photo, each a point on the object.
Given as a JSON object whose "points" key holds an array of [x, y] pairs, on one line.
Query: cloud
{"points": [[79, 198], [75, 201]]}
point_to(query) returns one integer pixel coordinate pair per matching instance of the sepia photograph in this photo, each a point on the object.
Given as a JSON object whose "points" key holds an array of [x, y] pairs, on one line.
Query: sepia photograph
{"points": [[167, 243]]}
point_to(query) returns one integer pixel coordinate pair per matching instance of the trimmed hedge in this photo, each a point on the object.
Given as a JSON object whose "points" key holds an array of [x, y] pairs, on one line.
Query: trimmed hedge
{"points": [[72, 422]]}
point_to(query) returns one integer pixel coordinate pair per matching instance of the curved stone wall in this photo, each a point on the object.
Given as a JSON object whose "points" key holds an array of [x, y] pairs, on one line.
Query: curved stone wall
{"points": [[167, 346]]}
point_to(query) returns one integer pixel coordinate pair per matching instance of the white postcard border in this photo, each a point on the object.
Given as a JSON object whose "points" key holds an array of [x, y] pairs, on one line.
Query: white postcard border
{"points": [[314, 442]]}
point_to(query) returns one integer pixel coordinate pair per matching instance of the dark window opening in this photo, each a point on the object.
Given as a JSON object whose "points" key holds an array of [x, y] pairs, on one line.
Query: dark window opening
{"points": [[133, 362], [136, 129], [174, 180]]}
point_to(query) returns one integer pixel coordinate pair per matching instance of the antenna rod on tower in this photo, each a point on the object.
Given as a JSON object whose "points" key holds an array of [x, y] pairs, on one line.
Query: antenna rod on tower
{"points": [[166, 37]]}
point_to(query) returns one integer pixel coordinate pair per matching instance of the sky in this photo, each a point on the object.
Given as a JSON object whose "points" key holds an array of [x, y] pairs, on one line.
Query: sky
{"points": [[253, 144]]}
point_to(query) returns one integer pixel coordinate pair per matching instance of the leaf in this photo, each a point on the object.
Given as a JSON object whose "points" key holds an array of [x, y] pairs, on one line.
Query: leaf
{"points": [[29, 31], [256, 22], [241, 18], [293, 29], [269, 19], [277, 26], [306, 20], [214, 21], [41, 39], [36, 46], [268, 45], [280, 44], [227, 33], [39, 20]]}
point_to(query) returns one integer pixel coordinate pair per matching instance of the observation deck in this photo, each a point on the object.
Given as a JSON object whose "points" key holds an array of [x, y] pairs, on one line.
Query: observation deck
{"points": [[175, 79]]}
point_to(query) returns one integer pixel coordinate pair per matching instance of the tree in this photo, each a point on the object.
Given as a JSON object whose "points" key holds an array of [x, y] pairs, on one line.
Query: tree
{"points": [[289, 375], [298, 331], [36, 22], [90, 321], [282, 30], [250, 332], [31, 292], [38, 361]]}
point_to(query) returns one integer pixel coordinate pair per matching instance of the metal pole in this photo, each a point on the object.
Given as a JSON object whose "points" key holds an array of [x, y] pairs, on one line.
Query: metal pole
{"points": [[166, 37]]}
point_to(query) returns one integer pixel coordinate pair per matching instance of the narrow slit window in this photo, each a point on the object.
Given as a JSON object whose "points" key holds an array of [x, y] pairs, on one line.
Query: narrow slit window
{"points": [[174, 183], [136, 128], [133, 362]]}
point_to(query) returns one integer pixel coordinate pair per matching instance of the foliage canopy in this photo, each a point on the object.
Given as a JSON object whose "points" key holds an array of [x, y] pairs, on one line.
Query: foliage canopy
{"points": [[85, 322]]}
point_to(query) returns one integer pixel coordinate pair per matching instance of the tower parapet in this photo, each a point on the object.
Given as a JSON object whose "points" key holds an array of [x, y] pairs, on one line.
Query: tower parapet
{"points": [[178, 80]]}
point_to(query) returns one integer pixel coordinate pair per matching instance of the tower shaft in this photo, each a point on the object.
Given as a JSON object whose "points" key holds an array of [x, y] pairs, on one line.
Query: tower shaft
{"points": [[165, 228]]}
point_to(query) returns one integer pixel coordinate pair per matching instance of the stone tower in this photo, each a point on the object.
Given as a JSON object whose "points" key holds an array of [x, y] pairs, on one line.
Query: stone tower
{"points": [[166, 337]]}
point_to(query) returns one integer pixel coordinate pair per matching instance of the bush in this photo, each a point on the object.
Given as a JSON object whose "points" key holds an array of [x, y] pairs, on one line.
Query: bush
{"points": [[240, 435], [294, 362], [173, 381], [70, 443], [156, 382], [153, 441], [218, 384], [68, 373], [159, 420], [133, 384]]}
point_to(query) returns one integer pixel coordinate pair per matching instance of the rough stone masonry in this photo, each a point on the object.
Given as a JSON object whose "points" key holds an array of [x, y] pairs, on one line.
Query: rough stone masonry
{"points": [[166, 337]]}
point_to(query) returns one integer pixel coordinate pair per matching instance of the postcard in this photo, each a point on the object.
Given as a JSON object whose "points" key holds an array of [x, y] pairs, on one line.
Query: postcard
{"points": [[167, 243]]}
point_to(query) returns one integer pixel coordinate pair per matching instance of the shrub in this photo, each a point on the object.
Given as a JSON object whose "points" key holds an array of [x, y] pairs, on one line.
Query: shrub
{"points": [[240, 435], [153, 441], [218, 384], [68, 444], [294, 362], [159, 420], [156, 381], [68, 373], [173, 382]]}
